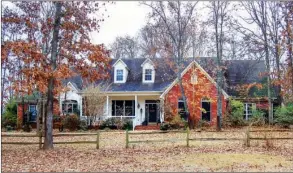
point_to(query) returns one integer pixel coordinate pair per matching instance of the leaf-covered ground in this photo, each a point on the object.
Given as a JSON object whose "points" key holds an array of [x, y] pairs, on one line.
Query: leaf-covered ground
{"points": [[168, 156]]}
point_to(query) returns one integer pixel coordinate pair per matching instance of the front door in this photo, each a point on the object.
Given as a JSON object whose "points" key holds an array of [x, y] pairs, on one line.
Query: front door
{"points": [[152, 111]]}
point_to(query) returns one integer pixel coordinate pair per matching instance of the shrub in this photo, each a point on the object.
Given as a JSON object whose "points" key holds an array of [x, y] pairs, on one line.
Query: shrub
{"points": [[83, 125], [71, 122], [202, 124], [257, 118], [127, 125], [165, 126], [284, 116], [176, 122], [27, 127], [111, 123], [10, 115], [235, 116]]}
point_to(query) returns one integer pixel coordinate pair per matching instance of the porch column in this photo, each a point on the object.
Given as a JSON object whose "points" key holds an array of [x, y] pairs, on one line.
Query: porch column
{"points": [[107, 106], [80, 111], [135, 109], [163, 111]]}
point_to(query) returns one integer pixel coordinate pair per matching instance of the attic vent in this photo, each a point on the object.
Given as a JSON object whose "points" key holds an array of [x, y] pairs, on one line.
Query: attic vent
{"points": [[194, 79]]}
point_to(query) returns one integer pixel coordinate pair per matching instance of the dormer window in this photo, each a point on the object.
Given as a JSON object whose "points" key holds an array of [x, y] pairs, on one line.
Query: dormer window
{"points": [[119, 75], [148, 71], [148, 75]]}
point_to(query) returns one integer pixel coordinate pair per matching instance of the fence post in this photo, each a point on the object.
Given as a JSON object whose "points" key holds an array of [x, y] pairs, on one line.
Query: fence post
{"points": [[127, 139], [98, 140], [40, 139], [248, 136], [187, 137]]}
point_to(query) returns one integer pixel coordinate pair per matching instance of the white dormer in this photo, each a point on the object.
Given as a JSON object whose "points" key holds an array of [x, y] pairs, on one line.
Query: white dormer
{"points": [[120, 71], [148, 71]]}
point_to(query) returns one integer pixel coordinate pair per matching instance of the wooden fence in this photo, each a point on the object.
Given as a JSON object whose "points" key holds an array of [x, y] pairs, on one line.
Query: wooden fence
{"points": [[247, 138], [40, 136]]}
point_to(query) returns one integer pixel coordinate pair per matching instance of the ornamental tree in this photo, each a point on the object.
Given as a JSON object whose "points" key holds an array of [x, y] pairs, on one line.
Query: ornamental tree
{"points": [[53, 37]]}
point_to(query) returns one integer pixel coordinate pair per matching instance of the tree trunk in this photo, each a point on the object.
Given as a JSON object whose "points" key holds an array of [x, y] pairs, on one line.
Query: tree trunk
{"points": [[48, 144], [289, 48], [267, 59]]}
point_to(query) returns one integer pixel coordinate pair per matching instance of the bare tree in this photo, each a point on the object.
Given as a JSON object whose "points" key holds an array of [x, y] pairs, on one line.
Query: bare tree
{"points": [[175, 16], [94, 100], [124, 47], [258, 14], [219, 11]]}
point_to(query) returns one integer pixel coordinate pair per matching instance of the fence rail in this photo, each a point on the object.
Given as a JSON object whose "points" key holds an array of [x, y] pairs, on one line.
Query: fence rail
{"points": [[247, 138], [40, 136]]}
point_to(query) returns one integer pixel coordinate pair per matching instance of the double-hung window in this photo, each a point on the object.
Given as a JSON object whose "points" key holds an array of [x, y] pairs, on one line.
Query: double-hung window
{"points": [[119, 75], [32, 113], [148, 75], [248, 107], [181, 109]]}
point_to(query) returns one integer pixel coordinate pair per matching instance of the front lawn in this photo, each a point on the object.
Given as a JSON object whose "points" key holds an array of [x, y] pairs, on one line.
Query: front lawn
{"points": [[168, 156]]}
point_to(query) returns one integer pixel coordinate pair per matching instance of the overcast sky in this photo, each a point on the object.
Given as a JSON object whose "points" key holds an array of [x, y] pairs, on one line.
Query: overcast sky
{"points": [[125, 17]]}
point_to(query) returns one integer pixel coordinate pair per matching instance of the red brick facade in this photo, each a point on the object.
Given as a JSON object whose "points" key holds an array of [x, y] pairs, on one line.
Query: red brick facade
{"points": [[195, 93], [20, 116]]}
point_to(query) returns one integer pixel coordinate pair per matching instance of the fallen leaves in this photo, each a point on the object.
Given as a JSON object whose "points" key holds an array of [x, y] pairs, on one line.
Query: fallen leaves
{"points": [[161, 157]]}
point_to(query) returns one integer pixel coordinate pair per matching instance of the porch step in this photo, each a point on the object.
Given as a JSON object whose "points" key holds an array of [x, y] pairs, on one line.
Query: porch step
{"points": [[148, 127]]}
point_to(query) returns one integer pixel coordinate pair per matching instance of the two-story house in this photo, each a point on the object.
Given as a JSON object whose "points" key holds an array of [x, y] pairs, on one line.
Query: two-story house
{"points": [[147, 90]]}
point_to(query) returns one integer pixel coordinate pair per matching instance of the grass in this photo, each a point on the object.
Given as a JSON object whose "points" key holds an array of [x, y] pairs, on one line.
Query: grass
{"points": [[166, 156]]}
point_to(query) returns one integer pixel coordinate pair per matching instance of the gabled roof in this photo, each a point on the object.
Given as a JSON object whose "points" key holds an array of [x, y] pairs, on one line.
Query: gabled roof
{"points": [[237, 72], [147, 60], [120, 60]]}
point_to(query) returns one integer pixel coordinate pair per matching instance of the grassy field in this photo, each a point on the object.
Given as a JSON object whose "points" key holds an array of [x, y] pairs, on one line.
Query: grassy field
{"points": [[167, 156]]}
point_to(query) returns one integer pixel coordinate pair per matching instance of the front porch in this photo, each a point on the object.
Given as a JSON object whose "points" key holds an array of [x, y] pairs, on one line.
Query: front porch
{"points": [[144, 109]]}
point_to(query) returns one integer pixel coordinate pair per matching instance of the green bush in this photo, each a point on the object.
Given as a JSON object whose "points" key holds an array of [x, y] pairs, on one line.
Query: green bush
{"points": [[127, 125], [71, 122], [257, 118], [165, 126], [83, 125], [111, 123], [284, 116], [9, 117], [235, 116]]}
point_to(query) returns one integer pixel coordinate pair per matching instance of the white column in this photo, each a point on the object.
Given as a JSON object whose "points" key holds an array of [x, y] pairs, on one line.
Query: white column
{"points": [[163, 111], [80, 111], [107, 106], [135, 108]]}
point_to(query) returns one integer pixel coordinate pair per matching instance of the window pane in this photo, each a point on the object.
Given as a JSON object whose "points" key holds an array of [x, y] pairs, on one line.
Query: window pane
{"points": [[32, 112], [148, 74], [181, 109], [206, 115], [129, 108], [113, 107], [119, 108], [119, 75]]}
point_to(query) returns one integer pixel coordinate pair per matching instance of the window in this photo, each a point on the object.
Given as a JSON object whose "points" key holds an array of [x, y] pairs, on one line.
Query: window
{"points": [[181, 109], [206, 113], [148, 75], [119, 75], [32, 113], [123, 108], [69, 106], [248, 110]]}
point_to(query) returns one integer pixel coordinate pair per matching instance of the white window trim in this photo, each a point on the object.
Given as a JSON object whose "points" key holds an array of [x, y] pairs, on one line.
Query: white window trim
{"points": [[144, 75], [115, 76], [246, 109]]}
